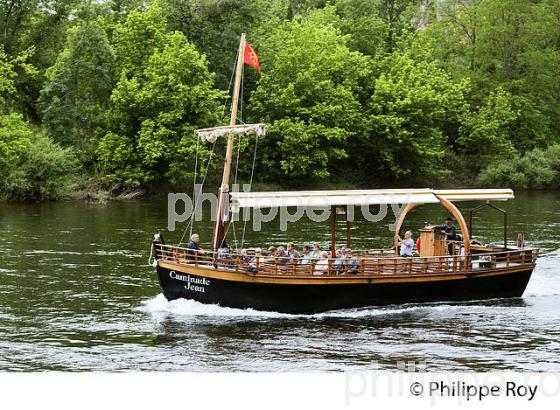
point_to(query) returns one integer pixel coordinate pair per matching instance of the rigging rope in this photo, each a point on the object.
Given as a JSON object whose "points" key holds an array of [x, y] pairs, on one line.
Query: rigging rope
{"points": [[191, 218], [194, 182], [229, 86], [250, 188], [230, 224]]}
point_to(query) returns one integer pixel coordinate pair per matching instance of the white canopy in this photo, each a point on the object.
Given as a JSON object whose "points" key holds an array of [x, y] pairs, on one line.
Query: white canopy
{"points": [[317, 199], [212, 134], [455, 195]]}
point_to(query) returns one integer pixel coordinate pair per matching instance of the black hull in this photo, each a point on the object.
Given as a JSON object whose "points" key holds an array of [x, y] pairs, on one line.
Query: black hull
{"points": [[314, 298]]}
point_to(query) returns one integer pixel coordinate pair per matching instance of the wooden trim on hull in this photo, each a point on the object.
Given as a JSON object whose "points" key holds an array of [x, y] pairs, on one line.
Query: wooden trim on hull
{"points": [[216, 273], [289, 296]]}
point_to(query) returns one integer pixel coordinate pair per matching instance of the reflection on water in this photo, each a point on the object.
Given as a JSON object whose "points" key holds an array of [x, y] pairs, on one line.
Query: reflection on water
{"points": [[75, 294]]}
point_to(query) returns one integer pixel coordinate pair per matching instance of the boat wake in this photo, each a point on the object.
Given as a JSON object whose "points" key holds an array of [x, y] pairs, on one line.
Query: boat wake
{"points": [[545, 280], [187, 307], [551, 254]]}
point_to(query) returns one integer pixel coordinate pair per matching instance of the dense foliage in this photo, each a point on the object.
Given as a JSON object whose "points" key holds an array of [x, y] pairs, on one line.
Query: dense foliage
{"points": [[537, 169], [365, 92]]}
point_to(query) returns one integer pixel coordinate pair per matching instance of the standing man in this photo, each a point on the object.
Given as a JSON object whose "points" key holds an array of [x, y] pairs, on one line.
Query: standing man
{"points": [[406, 245], [450, 234], [449, 229]]}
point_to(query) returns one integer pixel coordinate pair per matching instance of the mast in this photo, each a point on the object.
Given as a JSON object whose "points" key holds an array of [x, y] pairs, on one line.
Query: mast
{"points": [[223, 198]]}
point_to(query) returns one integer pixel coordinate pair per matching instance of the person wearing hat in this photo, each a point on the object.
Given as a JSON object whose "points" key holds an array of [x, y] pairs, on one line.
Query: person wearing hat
{"points": [[450, 233], [449, 228]]}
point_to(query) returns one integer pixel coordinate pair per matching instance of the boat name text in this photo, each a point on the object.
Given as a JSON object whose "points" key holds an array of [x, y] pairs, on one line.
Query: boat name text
{"points": [[194, 284]]}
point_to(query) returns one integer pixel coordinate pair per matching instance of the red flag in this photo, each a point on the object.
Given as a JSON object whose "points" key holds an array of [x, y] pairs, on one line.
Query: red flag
{"points": [[251, 58]]}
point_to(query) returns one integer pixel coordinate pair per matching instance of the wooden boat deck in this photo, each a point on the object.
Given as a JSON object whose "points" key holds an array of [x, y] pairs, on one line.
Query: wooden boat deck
{"points": [[486, 259]]}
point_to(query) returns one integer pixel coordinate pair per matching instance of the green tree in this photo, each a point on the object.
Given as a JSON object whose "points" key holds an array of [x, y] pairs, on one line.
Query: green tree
{"points": [[15, 134], [457, 30], [413, 110], [44, 171], [376, 25], [536, 169], [360, 18], [39, 26], [485, 133], [164, 92], [215, 26], [136, 38], [309, 95], [518, 49], [76, 94], [15, 140], [512, 44]]}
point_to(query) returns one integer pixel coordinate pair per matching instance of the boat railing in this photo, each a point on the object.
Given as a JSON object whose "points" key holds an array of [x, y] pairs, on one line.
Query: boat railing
{"points": [[362, 264]]}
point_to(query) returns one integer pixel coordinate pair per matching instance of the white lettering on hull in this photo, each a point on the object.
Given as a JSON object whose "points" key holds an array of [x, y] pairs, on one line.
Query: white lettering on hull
{"points": [[194, 283]]}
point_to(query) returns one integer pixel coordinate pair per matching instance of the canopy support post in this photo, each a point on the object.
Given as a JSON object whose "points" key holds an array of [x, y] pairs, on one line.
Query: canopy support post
{"points": [[333, 231], [348, 238], [505, 230], [490, 205]]}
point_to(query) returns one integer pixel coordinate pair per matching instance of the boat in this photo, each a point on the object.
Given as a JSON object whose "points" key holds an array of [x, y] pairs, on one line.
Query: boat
{"points": [[442, 270]]}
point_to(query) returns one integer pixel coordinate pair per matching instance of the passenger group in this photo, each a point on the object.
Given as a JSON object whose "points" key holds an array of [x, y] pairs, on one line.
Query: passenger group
{"points": [[345, 261]]}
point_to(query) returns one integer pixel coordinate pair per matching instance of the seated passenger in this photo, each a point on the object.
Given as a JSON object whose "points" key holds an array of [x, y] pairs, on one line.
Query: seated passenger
{"points": [[322, 265], [406, 245], [256, 263], [244, 256], [223, 251], [352, 262], [316, 251], [194, 247], [282, 257], [194, 242], [271, 255], [292, 254], [340, 262], [307, 255]]}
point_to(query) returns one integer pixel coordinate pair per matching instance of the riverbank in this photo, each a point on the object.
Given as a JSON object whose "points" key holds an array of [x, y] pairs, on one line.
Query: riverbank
{"points": [[538, 170], [93, 190]]}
